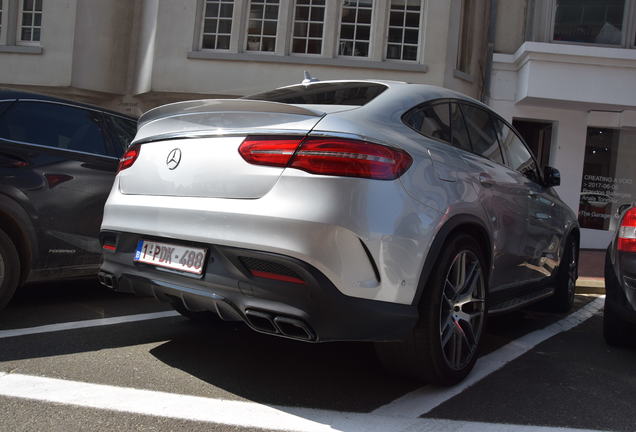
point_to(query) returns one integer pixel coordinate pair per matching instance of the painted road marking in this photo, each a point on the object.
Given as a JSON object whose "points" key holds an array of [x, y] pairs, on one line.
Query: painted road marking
{"points": [[425, 399], [235, 413], [86, 323]]}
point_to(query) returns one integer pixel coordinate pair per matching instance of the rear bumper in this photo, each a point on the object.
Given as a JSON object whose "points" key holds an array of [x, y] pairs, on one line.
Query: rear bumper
{"points": [[314, 311], [621, 294]]}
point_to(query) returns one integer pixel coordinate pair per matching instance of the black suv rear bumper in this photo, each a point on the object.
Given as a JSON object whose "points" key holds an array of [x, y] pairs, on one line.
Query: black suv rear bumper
{"points": [[621, 288], [314, 310]]}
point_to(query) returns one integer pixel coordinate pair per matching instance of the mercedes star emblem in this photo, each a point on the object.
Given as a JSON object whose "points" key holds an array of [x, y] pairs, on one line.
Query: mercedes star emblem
{"points": [[174, 157]]}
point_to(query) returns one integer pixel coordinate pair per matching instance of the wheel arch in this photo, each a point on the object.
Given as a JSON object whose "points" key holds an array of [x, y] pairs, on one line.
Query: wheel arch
{"points": [[16, 223], [467, 224]]}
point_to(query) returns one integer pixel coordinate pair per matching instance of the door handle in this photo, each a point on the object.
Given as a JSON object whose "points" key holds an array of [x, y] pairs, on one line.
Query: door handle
{"points": [[485, 180]]}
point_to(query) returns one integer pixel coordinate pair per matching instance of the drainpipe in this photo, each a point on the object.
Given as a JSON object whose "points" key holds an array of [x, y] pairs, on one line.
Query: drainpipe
{"points": [[490, 50]]}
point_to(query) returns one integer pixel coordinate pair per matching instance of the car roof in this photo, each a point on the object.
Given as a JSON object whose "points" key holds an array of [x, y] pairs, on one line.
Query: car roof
{"points": [[10, 94]]}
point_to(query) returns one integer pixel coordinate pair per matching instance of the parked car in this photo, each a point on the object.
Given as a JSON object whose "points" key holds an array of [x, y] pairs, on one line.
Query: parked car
{"points": [[58, 160], [342, 210], [619, 318]]}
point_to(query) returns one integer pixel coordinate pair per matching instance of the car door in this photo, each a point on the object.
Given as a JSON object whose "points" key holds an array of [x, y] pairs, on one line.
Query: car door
{"points": [[502, 197], [542, 242], [72, 169]]}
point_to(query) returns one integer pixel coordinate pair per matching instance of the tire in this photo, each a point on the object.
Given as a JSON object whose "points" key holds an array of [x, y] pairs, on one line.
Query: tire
{"points": [[617, 332], [9, 269], [563, 297], [205, 317], [445, 343]]}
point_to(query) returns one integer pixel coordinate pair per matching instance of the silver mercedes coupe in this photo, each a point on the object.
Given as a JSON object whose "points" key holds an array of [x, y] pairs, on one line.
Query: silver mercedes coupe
{"points": [[367, 210]]}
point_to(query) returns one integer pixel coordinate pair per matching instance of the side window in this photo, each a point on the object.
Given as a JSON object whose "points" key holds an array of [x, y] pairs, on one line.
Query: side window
{"points": [[121, 132], [4, 106], [482, 133], [431, 121], [460, 137], [517, 155], [54, 125]]}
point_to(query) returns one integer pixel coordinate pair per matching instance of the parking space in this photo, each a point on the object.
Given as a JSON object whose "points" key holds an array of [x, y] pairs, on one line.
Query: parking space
{"points": [[547, 370]]}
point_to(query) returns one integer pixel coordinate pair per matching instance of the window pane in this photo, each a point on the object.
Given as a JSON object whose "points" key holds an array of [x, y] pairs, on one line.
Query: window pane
{"points": [[308, 26], [58, 126], [403, 34], [263, 21], [355, 32], [217, 24], [459, 134], [431, 121], [464, 53], [590, 21], [345, 93], [482, 133], [517, 155], [608, 176]]}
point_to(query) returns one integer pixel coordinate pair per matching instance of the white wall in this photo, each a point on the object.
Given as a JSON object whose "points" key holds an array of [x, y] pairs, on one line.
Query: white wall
{"points": [[52, 67], [174, 72]]}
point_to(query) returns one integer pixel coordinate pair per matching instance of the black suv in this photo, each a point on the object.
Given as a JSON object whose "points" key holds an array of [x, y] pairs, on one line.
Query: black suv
{"points": [[58, 160]]}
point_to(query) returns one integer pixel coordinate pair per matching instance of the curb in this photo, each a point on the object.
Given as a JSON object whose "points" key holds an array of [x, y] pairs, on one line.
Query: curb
{"points": [[589, 285]]}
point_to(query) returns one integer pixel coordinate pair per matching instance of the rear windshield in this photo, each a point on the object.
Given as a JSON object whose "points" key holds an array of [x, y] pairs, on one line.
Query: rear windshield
{"points": [[342, 93]]}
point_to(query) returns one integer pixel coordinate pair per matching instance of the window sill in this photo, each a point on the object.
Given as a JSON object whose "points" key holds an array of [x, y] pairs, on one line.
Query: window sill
{"points": [[321, 61], [21, 49], [463, 76]]}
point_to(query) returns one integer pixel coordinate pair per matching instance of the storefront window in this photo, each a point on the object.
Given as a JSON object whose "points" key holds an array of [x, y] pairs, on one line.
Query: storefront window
{"points": [[590, 21], [608, 176]]}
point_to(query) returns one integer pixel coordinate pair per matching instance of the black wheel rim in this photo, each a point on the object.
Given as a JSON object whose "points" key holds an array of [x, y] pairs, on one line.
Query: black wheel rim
{"points": [[462, 310]]}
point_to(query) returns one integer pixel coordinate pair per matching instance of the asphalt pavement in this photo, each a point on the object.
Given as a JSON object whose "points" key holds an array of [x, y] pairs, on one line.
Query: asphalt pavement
{"points": [[75, 356]]}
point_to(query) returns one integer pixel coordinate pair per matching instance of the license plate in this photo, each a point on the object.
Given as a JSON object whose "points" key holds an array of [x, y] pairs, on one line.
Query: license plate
{"points": [[176, 257]]}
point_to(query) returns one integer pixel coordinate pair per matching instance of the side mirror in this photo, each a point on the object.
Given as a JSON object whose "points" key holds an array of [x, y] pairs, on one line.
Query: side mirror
{"points": [[551, 176]]}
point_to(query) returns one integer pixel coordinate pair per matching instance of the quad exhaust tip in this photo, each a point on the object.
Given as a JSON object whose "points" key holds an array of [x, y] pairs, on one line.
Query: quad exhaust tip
{"points": [[106, 279], [285, 326]]}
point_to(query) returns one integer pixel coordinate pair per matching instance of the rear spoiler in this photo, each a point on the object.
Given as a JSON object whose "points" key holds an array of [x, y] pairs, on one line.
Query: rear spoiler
{"points": [[223, 105]]}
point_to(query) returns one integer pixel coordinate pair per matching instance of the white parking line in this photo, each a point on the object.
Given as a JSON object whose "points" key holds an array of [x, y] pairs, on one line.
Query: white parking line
{"points": [[86, 323], [424, 399], [234, 413]]}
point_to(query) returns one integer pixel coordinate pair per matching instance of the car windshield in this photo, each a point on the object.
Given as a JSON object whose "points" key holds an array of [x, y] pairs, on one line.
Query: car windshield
{"points": [[334, 93]]}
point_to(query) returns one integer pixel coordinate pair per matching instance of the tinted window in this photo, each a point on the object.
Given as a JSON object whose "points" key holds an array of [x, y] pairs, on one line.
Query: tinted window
{"points": [[459, 134], [431, 120], [54, 125], [517, 155], [482, 133], [344, 93], [4, 106], [121, 132]]}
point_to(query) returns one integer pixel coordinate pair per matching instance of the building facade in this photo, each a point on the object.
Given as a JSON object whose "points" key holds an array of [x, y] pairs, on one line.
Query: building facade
{"points": [[131, 55], [564, 71]]}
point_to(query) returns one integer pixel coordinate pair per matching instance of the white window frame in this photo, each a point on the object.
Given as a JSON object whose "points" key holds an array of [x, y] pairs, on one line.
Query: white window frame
{"points": [[547, 12], [21, 12], [421, 31], [233, 32], [324, 49], [372, 32], [277, 36]]}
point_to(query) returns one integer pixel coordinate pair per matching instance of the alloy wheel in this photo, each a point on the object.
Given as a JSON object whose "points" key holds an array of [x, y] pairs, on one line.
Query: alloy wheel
{"points": [[462, 310]]}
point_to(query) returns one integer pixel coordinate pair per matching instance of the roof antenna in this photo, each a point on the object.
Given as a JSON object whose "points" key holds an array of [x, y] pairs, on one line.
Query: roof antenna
{"points": [[308, 78]]}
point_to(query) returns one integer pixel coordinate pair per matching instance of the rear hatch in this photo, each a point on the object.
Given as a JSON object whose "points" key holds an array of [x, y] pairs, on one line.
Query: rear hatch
{"points": [[191, 148]]}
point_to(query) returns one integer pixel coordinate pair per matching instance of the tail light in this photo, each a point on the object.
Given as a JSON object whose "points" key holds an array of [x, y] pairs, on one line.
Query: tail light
{"points": [[129, 158], [627, 232], [328, 156], [270, 151]]}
